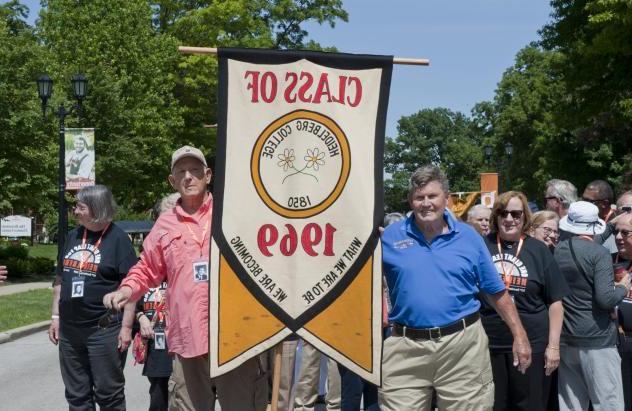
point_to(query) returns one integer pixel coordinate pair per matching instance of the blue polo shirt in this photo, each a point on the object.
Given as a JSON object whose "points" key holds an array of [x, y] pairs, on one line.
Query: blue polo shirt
{"points": [[433, 285]]}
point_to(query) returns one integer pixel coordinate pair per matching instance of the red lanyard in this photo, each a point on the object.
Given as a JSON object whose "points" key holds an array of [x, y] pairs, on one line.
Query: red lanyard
{"points": [[508, 276], [84, 253], [195, 237]]}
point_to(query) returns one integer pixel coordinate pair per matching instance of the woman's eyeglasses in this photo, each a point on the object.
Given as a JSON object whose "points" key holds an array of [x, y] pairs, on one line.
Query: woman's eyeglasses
{"points": [[549, 232], [624, 233], [515, 214]]}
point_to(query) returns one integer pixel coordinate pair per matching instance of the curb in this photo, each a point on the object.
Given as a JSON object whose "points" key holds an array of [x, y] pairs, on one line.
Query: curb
{"points": [[14, 334]]}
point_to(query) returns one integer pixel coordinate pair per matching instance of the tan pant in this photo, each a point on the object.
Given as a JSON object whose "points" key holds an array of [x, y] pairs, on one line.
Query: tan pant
{"points": [[192, 389], [456, 366], [308, 378]]}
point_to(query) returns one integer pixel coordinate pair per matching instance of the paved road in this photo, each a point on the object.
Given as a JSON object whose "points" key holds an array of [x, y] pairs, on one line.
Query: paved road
{"points": [[6, 289], [30, 379]]}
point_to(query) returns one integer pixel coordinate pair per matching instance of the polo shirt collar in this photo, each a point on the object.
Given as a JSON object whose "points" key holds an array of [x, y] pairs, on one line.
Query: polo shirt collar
{"points": [[412, 228]]}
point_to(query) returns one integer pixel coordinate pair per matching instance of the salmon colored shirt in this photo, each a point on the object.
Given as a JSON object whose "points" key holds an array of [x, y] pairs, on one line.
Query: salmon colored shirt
{"points": [[169, 252]]}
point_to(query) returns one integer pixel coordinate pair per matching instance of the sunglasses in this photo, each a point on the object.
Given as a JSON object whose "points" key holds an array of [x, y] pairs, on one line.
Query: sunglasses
{"points": [[106, 319], [624, 233], [551, 198], [595, 202], [625, 209], [515, 214]]}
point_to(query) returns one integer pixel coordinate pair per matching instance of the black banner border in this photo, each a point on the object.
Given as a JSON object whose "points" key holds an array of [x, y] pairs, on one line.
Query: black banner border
{"points": [[333, 60]]}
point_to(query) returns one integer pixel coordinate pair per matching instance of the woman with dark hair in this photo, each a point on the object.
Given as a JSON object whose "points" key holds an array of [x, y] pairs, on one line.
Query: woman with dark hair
{"points": [[92, 341], [534, 282]]}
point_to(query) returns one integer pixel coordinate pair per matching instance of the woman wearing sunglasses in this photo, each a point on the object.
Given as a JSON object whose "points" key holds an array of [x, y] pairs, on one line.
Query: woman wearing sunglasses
{"points": [[532, 279], [622, 268], [92, 341]]}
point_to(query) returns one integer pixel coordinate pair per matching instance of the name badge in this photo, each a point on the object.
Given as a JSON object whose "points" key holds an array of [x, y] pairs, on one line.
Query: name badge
{"points": [[200, 271], [159, 340], [78, 285]]}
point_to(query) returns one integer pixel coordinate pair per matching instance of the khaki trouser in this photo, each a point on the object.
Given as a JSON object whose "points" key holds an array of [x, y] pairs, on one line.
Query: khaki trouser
{"points": [[457, 366], [308, 378], [192, 389]]}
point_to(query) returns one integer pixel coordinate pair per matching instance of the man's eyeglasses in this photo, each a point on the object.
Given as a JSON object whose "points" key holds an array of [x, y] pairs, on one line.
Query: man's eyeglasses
{"points": [[549, 231], [624, 233], [547, 198], [515, 214]]}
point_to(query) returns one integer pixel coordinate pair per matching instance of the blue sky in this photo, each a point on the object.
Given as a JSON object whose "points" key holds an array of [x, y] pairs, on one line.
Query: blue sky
{"points": [[470, 43]]}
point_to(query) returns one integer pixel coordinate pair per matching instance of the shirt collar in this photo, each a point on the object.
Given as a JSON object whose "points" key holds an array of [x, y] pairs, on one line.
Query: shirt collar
{"points": [[204, 208], [412, 228]]}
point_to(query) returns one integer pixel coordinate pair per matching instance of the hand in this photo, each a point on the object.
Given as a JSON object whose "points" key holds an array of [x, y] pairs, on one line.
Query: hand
{"points": [[117, 299], [145, 327], [124, 338], [3, 273], [53, 331], [521, 353], [625, 281], [551, 360]]}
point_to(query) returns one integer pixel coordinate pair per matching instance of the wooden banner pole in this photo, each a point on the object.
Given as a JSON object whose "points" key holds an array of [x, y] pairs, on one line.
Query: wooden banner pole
{"points": [[213, 51], [276, 377]]}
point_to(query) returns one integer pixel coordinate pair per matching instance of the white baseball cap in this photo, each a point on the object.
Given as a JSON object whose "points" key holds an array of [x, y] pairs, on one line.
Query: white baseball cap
{"points": [[187, 151]]}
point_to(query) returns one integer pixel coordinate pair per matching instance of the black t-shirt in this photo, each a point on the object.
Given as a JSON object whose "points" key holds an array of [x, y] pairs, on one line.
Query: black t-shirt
{"points": [[102, 272], [536, 283], [158, 363], [624, 310]]}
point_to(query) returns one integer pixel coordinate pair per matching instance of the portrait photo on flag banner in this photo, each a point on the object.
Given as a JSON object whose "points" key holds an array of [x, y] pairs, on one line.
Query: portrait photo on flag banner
{"points": [[80, 158], [298, 199]]}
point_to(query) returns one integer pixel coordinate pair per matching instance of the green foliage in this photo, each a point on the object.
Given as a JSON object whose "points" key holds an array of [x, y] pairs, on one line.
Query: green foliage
{"points": [[14, 251], [131, 99], [432, 136], [27, 147], [593, 37], [17, 310]]}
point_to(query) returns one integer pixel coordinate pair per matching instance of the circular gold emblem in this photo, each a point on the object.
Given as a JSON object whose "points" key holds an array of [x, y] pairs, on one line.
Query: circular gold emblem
{"points": [[300, 164]]}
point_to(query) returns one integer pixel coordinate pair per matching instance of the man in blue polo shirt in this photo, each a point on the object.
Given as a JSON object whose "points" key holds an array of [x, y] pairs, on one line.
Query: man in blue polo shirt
{"points": [[435, 266]]}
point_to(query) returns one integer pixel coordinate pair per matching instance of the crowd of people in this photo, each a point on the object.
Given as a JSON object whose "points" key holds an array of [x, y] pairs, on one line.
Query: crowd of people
{"points": [[509, 309]]}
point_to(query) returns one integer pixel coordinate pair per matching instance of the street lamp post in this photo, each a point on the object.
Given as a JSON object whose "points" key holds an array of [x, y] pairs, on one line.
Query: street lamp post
{"points": [[45, 91], [488, 151]]}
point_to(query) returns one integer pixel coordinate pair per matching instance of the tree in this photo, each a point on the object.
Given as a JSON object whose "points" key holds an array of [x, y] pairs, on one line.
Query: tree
{"points": [[523, 112], [432, 136], [593, 37], [276, 24], [27, 147], [131, 103]]}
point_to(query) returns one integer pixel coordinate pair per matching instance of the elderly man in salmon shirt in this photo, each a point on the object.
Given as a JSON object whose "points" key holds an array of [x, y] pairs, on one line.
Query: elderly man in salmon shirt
{"points": [[176, 248]]}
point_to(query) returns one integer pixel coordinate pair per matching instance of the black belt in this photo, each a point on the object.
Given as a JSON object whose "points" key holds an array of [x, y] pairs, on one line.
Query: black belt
{"points": [[400, 330]]}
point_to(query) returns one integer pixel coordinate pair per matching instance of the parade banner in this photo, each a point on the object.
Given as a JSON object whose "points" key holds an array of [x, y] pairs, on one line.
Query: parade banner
{"points": [[298, 197], [80, 158]]}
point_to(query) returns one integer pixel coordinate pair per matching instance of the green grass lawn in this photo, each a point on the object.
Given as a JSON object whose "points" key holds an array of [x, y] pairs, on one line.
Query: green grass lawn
{"points": [[44, 250], [25, 308]]}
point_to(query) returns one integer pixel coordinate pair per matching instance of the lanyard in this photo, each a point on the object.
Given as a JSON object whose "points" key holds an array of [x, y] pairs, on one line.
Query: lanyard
{"points": [[84, 253], [195, 237], [589, 238], [609, 215], [508, 276]]}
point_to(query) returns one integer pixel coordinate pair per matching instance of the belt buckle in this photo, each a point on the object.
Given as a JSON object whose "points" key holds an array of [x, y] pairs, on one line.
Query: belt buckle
{"points": [[432, 330]]}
